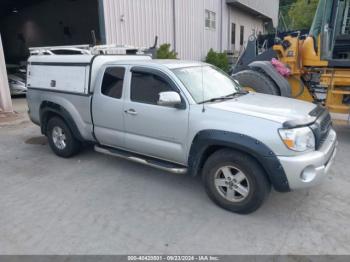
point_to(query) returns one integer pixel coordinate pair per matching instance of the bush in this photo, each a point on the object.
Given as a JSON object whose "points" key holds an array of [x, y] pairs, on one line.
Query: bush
{"points": [[164, 52], [219, 60]]}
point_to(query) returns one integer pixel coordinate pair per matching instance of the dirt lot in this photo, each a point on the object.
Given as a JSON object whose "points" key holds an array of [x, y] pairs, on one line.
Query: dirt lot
{"points": [[96, 204]]}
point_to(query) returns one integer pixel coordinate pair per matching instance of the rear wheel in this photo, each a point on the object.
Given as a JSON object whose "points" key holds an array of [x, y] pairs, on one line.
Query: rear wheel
{"points": [[256, 82], [235, 181], [61, 139]]}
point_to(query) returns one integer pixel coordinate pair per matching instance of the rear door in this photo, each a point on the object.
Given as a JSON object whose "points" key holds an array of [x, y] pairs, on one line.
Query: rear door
{"points": [[151, 129], [107, 107]]}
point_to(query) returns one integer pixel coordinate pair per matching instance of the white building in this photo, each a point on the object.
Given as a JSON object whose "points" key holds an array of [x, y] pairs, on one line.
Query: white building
{"points": [[192, 27]]}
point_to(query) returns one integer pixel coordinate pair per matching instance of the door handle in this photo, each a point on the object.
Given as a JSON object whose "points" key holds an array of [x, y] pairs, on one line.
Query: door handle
{"points": [[131, 112]]}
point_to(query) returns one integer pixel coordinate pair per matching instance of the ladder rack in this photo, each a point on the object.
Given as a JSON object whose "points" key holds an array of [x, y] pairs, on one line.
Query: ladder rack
{"points": [[47, 50], [88, 50], [117, 50]]}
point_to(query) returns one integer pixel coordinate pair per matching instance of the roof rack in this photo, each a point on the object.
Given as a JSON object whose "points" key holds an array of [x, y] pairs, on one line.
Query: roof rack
{"points": [[118, 50], [48, 50], [88, 50]]}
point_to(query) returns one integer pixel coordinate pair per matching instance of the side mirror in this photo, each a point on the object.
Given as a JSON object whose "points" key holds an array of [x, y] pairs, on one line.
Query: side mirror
{"points": [[169, 99]]}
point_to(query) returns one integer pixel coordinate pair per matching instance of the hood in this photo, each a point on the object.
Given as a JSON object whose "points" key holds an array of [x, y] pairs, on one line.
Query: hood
{"points": [[16, 78], [274, 108]]}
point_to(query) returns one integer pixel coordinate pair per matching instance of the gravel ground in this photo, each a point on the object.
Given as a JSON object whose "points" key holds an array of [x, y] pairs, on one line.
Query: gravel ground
{"points": [[97, 204]]}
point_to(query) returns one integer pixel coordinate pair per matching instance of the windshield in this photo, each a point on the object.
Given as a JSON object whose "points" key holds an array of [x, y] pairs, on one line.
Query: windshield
{"points": [[206, 82]]}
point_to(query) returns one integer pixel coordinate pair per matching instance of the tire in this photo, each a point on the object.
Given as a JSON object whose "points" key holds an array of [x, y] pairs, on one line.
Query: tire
{"points": [[254, 187], [61, 139], [257, 82]]}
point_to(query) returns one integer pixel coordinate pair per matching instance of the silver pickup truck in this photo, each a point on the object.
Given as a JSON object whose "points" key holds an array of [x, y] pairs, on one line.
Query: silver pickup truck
{"points": [[181, 117]]}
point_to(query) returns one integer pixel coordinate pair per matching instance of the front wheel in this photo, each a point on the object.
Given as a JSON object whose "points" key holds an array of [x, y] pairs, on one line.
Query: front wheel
{"points": [[235, 181]]}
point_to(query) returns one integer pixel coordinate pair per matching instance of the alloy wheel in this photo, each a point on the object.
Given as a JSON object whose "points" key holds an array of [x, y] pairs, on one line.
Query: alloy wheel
{"points": [[232, 183]]}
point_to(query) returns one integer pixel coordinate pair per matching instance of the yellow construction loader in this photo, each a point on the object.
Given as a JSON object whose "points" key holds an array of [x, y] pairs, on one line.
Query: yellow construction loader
{"points": [[319, 62]]}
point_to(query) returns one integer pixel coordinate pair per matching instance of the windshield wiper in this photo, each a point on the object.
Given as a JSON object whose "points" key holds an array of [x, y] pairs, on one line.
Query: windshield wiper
{"points": [[229, 96], [238, 93]]}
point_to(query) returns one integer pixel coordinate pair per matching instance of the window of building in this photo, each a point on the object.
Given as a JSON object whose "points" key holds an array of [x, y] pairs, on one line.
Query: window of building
{"points": [[145, 87], [241, 37], [210, 19], [113, 80], [233, 34]]}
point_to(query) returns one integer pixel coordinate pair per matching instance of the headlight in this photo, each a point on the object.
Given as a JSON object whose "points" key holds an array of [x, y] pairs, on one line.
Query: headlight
{"points": [[298, 139]]}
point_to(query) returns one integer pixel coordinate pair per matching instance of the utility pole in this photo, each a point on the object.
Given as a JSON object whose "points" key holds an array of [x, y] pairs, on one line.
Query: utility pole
{"points": [[5, 96]]}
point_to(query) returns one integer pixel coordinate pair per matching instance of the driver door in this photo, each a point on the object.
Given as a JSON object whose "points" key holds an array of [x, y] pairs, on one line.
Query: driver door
{"points": [[152, 129], [107, 108]]}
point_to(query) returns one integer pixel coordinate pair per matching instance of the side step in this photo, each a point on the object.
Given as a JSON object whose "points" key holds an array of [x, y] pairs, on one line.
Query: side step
{"points": [[149, 161]]}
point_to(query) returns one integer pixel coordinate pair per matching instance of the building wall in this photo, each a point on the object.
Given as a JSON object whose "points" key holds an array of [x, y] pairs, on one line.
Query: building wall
{"points": [[250, 23], [178, 22], [137, 22], [193, 40], [267, 7]]}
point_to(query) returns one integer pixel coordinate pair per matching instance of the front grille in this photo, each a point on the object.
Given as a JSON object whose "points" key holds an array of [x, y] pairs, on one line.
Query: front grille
{"points": [[317, 111], [325, 123], [321, 128]]}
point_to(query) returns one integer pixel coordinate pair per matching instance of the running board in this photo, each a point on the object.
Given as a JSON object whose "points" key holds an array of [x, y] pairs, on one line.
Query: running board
{"points": [[149, 161]]}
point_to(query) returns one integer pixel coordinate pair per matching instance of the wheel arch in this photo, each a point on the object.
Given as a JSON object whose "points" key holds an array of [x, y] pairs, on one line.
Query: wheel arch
{"points": [[50, 109], [268, 70], [207, 142]]}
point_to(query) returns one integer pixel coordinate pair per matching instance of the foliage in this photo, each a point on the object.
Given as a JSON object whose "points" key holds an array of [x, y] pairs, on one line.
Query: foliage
{"points": [[164, 52], [302, 13], [283, 21], [286, 2], [296, 14], [219, 60]]}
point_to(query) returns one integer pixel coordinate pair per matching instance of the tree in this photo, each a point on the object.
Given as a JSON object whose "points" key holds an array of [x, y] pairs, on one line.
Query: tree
{"points": [[164, 52], [302, 13], [296, 14], [284, 21], [219, 60]]}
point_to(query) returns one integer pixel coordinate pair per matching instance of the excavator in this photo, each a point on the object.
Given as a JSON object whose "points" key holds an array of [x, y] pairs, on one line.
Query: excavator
{"points": [[318, 63]]}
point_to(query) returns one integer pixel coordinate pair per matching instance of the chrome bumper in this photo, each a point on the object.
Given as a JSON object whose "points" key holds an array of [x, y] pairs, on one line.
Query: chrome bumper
{"points": [[308, 169]]}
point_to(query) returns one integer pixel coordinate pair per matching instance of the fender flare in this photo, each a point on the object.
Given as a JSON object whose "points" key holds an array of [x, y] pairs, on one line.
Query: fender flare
{"points": [[207, 139], [48, 107], [270, 71]]}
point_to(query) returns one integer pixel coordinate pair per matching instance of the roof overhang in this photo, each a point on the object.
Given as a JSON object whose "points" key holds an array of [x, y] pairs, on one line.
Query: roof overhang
{"points": [[237, 4]]}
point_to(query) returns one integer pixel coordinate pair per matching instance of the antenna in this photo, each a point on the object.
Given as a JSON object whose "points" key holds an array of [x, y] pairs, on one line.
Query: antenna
{"points": [[93, 36], [155, 42]]}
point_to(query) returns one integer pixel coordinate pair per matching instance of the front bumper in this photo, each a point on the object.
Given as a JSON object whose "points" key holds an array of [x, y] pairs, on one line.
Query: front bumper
{"points": [[18, 90], [308, 169]]}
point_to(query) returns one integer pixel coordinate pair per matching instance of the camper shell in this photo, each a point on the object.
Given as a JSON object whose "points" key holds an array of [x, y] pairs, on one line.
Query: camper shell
{"points": [[71, 73]]}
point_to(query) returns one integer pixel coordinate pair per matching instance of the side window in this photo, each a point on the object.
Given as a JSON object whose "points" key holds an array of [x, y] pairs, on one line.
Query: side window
{"points": [[145, 87], [233, 34], [112, 84], [241, 35]]}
